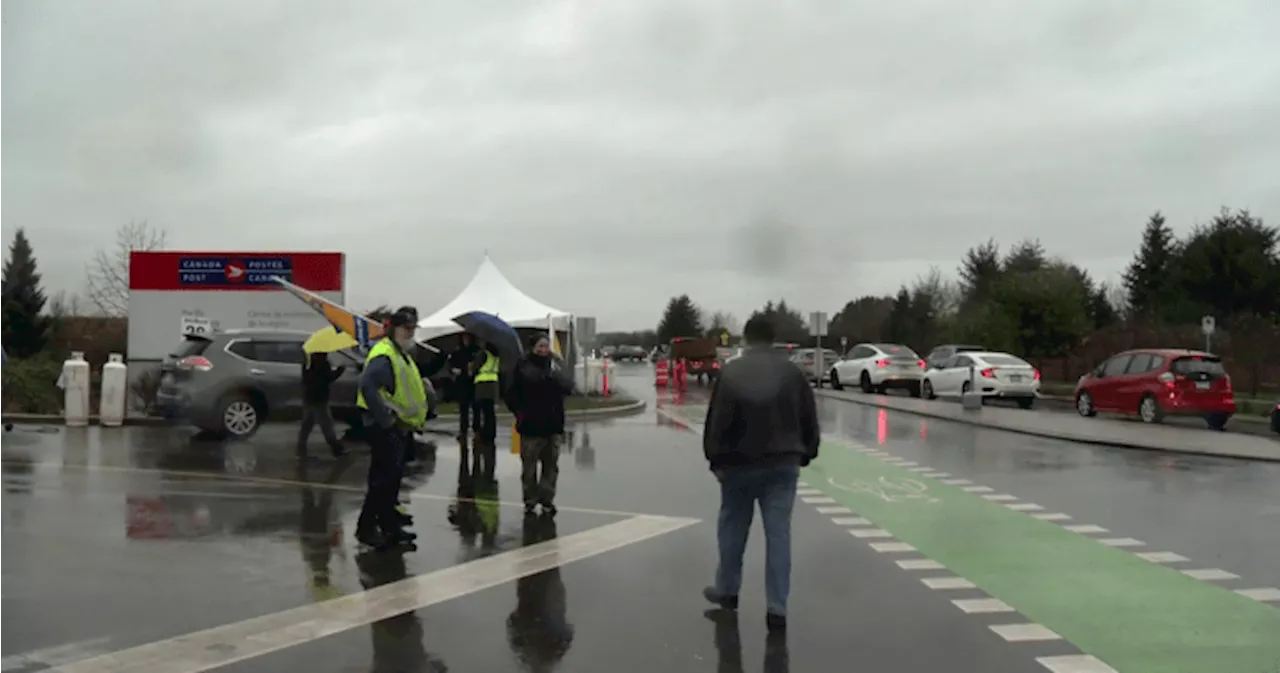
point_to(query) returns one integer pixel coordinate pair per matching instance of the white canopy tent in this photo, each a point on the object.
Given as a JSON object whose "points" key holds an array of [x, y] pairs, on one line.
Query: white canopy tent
{"points": [[491, 292]]}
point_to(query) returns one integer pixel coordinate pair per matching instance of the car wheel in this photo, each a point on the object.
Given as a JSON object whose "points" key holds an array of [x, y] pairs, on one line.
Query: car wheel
{"points": [[1149, 410], [1084, 404], [1217, 421], [240, 416], [1026, 402], [835, 381], [864, 382], [926, 390]]}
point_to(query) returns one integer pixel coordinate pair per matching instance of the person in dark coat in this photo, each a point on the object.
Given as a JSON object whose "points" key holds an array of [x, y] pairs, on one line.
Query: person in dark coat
{"points": [[539, 384], [317, 380], [761, 428], [462, 363]]}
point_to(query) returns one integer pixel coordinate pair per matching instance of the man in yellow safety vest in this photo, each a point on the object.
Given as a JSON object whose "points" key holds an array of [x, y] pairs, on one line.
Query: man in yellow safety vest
{"points": [[486, 398], [394, 404]]}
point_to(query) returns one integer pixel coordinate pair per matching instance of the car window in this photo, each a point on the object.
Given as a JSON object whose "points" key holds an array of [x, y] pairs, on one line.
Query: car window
{"points": [[1157, 361], [282, 352], [1139, 364], [1116, 365], [1198, 365], [1005, 361], [960, 361], [970, 349], [897, 351]]}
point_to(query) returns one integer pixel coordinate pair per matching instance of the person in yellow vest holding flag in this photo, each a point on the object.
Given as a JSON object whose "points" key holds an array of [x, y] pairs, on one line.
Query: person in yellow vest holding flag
{"points": [[394, 404], [486, 397]]}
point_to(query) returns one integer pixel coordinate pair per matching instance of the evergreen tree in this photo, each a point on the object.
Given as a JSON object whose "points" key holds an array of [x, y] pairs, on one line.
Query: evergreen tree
{"points": [[1148, 280], [1026, 257], [1229, 267], [979, 273], [25, 329], [898, 325], [682, 318]]}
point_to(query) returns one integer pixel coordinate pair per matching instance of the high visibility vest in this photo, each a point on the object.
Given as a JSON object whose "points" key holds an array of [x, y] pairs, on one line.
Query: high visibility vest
{"points": [[489, 370], [409, 402]]}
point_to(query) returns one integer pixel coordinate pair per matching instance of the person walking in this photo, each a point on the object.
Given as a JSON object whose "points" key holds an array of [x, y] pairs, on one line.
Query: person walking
{"points": [[394, 405], [486, 396], [462, 363], [536, 395], [761, 428], [317, 380]]}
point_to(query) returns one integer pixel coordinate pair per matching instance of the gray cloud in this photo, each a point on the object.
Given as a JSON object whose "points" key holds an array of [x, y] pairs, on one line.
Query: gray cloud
{"points": [[609, 154]]}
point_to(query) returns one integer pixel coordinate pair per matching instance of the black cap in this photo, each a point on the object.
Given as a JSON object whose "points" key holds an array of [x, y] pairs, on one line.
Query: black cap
{"points": [[403, 318], [411, 310]]}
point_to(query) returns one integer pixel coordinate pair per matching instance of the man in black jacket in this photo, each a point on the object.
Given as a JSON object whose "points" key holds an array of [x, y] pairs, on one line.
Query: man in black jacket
{"points": [[463, 365], [317, 379], [539, 385], [761, 428]]}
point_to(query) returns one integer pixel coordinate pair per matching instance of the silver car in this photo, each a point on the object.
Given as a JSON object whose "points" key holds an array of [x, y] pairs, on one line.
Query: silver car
{"points": [[807, 360], [233, 382]]}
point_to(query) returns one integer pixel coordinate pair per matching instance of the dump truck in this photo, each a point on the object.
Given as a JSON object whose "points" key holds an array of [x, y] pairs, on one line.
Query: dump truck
{"points": [[700, 356]]}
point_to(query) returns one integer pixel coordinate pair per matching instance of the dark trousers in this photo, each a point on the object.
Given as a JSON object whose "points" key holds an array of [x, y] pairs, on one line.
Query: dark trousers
{"points": [[317, 413], [467, 412], [386, 468], [487, 411], [535, 453], [774, 487]]}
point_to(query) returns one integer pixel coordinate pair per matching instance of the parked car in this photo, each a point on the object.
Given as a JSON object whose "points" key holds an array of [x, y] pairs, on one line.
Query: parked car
{"points": [[991, 374], [231, 383], [878, 367], [807, 360], [1275, 418], [1154, 383], [630, 354], [942, 354]]}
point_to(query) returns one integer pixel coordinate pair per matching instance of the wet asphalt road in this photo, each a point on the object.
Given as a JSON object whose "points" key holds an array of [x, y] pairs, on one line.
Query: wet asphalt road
{"points": [[118, 538]]}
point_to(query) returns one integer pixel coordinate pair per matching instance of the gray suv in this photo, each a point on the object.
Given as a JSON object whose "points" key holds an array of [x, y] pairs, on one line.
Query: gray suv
{"points": [[234, 382]]}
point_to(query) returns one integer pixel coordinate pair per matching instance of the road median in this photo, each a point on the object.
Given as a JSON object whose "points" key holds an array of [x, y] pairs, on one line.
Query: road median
{"points": [[1099, 431]]}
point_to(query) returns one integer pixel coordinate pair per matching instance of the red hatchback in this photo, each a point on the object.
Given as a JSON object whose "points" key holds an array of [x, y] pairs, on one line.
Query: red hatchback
{"points": [[1153, 383]]}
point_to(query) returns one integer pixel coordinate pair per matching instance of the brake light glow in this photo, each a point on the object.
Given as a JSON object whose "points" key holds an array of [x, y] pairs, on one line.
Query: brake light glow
{"points": [[1035, 373], [989, 373], [920, 364], [1167, 378], [200, 364], [882, 363]]}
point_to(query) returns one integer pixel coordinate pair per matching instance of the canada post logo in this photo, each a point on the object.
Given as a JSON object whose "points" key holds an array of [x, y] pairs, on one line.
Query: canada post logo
{"points": [[232, 272]]}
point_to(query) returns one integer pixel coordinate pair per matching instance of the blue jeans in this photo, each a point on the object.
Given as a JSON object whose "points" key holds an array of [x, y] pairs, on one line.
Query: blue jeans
{"points": [[774, 487]]}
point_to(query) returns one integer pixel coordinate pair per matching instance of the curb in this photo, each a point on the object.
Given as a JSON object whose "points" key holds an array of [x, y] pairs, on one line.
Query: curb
{"points": [[628, 409], [981, 423]]}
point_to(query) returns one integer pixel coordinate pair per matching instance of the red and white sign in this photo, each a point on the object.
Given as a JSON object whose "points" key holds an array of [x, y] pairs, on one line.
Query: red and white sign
{"points": [[169, 291]]}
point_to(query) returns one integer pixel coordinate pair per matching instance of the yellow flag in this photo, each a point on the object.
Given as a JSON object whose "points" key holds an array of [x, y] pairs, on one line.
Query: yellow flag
{"points": [[515, 439], [551, 332]]}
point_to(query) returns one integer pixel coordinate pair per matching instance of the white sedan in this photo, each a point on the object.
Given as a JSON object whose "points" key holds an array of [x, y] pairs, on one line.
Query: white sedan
{"points": [[991, 374], [877, 367]]}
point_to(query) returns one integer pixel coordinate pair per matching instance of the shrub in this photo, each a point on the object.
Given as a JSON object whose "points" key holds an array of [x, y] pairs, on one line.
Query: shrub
{"points": [[30, 385]]}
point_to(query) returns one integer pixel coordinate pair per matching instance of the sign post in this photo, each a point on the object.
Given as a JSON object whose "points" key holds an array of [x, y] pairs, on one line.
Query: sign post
{"points": [[195, 326], [818, 328], [1207, 326]]}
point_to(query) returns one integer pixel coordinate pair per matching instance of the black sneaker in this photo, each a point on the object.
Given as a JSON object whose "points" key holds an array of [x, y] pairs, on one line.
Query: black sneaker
{"points": [[402, 535], [776, 623], [725, 602], [373, 539], [530, 509], [406, 520], [548, 509]]}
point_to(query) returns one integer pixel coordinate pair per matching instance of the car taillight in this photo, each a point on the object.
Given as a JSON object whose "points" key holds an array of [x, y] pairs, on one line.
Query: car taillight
{"points": [[920, 364], [1226, 380], [882, 363], [1035, 373], [1167, 378], [715, 365], [989, 373], [195, 362]]}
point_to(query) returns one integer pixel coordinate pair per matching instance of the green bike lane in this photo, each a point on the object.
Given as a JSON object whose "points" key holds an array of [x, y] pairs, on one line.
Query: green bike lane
{"points": [[1135, 615]]}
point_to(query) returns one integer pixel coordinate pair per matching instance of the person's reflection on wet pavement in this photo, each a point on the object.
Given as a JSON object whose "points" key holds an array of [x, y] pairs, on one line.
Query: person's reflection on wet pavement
{"points": [[398, 645], [319, 531], [728, 640], [538, 629]]}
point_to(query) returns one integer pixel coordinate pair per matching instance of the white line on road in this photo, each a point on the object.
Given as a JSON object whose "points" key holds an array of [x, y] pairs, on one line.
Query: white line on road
{"points": [[947, 583], [850, 521], [808, 491], [892, 547], [1211, 574], [1074, 663], [836, 509], [223, 645], [818, 500], [1052, 516], [957, 482], [937, 475], [1000, 497], [920, 564], [978, 489], [982, 606], [1121, 542], [1021, 633], [1085, 528], [1161, 557], [1264, 594], [869, 533], [1024, 507]]}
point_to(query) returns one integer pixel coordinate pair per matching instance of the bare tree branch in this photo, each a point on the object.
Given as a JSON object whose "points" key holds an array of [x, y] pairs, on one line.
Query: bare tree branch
{"points": [[107, 286]]}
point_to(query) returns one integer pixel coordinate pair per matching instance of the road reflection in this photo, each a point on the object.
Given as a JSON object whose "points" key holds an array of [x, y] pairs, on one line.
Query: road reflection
{"points": [[728, 642], [538, 630], [398, 642]]}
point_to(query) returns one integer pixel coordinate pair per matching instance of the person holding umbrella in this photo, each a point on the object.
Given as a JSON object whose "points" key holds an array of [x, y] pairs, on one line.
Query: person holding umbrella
{"points": [[539, 385], [395, 404], [317, 380]]}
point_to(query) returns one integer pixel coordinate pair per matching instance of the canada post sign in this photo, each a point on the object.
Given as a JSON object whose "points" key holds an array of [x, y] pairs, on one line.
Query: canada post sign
{"points": [[225, 271]]}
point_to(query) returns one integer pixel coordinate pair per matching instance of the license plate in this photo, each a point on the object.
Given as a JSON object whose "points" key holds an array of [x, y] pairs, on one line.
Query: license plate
{"points": [[903, 368], [1015, 378], [1202, 385]]}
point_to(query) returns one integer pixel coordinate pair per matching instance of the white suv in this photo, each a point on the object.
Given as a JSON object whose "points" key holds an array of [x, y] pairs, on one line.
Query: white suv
{"points": [[878, 367]]}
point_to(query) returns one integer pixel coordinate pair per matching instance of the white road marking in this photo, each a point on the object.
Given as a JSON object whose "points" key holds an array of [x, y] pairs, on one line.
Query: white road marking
{"points": [[1074, 663], [920, 564], [224, 645], [982, 606], [869, 533], [1211, 574], [834, 510], [1052, 516], [978, 489], [867, 449], [947, 583], [957, 482], [892, 547], [851, 521], [1022, 633], [808, 491], [906, 463], [1000, 497], [818, 500], [937, 475], [54, 656], [1121, 542], [1085, 528], [922, 468], [1024, 507], [1265, 594], [1161, 556], [802, 484]]}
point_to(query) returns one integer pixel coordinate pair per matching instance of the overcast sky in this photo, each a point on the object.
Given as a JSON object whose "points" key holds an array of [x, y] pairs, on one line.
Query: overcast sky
{"points": [[611, 153]]}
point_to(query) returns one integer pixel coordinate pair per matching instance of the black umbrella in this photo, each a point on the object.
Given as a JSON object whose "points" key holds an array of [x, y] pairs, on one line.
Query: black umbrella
{"points": [[492, 329]]}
